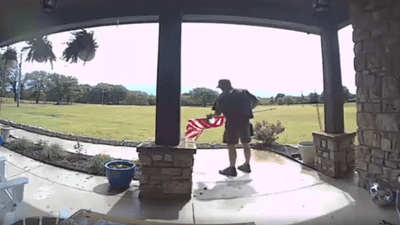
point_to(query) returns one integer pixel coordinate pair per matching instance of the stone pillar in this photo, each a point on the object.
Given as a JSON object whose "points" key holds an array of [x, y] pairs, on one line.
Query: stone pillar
{"points": [[168, 109], [334, 153], [376, 39], [166, 171]]}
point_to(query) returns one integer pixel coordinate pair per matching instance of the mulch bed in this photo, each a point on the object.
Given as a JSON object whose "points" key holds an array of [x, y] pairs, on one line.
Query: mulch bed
{"points": [[70, 161], [83, 163]]}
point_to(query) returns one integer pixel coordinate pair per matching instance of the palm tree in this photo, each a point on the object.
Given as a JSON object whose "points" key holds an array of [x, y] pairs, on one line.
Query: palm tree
{"points": [[40, 50], [82, 46]]}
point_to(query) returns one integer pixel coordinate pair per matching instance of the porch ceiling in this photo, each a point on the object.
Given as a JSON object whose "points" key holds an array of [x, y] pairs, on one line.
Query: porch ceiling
{"points": [[22, 19]]}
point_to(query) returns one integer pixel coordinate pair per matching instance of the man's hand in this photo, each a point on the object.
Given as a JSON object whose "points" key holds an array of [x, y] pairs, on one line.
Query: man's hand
{"points": [[216, 114], [209, 116]]}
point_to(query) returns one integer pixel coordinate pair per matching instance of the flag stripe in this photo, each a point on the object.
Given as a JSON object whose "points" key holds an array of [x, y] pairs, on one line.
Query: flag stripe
{"points": [[195, 127]]}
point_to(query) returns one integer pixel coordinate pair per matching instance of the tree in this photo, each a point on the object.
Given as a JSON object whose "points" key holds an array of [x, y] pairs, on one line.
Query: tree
{"points": [[84, 93], [55, 87], [279, 95], [37, 81], [5, 73], [118, 92], [62, 86], [108, 93], [131, 98], [289, 100], [313, 98], [99, 92], [152, 100], [137, 98], [70, 88], [280, 101], [204, 96], [13, 76], [272, 101], [264, 101], [346, 95]]}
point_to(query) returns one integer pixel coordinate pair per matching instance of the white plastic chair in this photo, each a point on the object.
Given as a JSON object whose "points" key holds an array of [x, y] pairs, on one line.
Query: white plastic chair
{"points": [[11, 191]]}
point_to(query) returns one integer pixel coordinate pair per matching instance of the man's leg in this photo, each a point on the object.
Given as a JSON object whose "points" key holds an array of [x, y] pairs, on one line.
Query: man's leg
{"points": [[231, 139], [232, 154], [246, 139], [247, 153]]}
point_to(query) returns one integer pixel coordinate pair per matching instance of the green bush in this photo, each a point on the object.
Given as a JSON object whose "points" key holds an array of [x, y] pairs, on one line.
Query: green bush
{"points": [[266, 132], [99, 162], [79, 149], [41, 145], [21, 145], [53, 151]]}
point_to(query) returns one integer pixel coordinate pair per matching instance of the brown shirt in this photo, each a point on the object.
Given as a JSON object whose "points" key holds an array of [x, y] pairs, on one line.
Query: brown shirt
{"points": [[236, 104]]}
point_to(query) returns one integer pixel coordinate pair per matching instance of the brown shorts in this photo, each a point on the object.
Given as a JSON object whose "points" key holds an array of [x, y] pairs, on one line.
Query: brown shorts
{"points": [[235, 130]]}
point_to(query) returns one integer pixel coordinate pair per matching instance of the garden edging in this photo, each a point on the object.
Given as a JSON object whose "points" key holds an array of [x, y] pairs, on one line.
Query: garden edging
{"points": [[112, 142]]}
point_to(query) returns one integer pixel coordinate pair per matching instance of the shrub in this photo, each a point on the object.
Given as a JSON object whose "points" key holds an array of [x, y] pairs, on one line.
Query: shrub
{"points": [[21, 145], [53, 151], [266, 132], [99, 162], [79, 148], [41, 145]]}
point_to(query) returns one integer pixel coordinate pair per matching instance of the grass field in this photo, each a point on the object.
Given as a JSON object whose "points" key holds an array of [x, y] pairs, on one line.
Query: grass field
{"points": [[138, 122]]}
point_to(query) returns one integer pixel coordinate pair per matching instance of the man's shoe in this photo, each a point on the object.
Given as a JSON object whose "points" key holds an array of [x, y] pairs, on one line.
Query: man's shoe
{"points": [[245, 168], [230, 171]]}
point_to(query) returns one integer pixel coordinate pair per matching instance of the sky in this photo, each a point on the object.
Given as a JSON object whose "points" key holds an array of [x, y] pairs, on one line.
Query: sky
{"points": [[266, 61]]}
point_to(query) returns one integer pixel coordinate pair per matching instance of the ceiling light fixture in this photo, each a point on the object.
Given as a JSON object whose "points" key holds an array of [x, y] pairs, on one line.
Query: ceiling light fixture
{"points": [[321, 5], [49, 5]]}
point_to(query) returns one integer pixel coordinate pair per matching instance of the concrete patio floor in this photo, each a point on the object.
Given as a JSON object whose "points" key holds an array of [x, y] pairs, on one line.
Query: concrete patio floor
{"points": [[278, 191]]}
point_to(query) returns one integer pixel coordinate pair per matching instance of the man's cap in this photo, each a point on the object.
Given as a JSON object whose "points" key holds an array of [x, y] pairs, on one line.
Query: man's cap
{"points": [[224, 83]]}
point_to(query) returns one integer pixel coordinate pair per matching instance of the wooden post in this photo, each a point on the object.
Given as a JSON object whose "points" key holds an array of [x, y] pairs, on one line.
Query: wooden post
{"points": [[168, 109], [333, 98]]}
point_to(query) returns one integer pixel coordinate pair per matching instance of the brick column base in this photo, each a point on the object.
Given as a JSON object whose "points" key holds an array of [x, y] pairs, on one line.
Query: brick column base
{"points": [[166, 171], [334, 153]]}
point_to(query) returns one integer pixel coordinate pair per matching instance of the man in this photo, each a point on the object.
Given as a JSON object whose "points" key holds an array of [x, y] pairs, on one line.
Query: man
{"points": [[237, 106]]}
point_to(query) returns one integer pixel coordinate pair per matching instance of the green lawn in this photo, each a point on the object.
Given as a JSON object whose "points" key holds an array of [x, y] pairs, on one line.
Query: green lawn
{"points": [[138, 122]]}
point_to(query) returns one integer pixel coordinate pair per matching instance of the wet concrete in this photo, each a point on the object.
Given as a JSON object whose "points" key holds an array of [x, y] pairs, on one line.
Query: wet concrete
{"points": [[277, 191]]}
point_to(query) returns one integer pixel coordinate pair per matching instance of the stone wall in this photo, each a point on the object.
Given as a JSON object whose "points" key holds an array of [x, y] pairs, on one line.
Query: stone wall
{"points": [[376, 39], [166, 172], [334, 153]]}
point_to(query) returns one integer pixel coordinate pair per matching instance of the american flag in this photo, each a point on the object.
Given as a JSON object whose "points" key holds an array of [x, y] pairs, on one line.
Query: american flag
{"points": [[195, 127]]}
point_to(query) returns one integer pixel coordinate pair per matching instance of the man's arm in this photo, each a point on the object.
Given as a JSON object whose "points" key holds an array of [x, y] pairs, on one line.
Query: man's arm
{"points": [[253, 99], [255, 103], [215, 108]]}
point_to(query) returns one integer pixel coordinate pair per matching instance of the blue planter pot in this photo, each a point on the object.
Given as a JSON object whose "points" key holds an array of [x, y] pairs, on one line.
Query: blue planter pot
{"points": [[119, 177]]}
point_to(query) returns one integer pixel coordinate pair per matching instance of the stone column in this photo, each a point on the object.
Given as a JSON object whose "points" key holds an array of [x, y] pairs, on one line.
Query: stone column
{"points": [[166, 171], [168, 109], [334, 149], [376, 39], [334, 153]]}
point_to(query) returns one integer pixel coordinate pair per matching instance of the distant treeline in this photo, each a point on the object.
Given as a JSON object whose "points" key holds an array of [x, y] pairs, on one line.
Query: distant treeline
{"points": [[43, 86]]}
